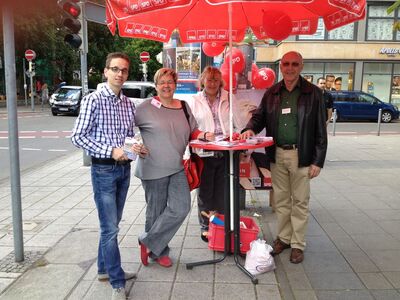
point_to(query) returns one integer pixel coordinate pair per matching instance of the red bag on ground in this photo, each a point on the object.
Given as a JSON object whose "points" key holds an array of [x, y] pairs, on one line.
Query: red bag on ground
{"points": [[193, 169]]}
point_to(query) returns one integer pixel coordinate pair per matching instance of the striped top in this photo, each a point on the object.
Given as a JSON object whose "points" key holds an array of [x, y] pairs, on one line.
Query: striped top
{"points": [[104, 121]]}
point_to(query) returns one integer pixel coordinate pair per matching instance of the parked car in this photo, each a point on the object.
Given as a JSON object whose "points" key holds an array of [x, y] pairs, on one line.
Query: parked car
{"points": [[67, 100], [357, 105], [137, 91]]}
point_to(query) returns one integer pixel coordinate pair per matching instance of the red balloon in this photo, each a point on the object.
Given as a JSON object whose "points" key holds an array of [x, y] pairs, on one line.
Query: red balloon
{"points": [[277, 24], [254, 72], [213, 49], [265, 78], [225, 77], [238, 62]]}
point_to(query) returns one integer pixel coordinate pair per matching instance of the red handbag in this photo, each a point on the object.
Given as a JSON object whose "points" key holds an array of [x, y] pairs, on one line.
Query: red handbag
{"points": [[193, 165], [193, 169]]}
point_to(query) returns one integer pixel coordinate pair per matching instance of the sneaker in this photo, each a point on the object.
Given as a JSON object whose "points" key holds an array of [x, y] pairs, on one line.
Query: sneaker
{"points": [[118, 294], [164, 261], [105, 277]]}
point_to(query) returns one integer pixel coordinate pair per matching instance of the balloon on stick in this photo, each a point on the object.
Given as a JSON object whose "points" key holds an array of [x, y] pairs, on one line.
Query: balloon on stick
{"points": [[213, 48], [238, 62], [264, 78], [225, 77], [277, 24]]}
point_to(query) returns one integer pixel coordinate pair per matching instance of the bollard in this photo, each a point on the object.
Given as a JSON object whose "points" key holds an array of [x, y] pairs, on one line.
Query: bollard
{"points": [[87, 160], [379, 121], [334, 115]]}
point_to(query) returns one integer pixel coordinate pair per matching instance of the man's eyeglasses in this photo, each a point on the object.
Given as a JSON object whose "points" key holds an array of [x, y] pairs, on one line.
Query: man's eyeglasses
{"points": [[116, 70], [287, 64], [169, 82]]}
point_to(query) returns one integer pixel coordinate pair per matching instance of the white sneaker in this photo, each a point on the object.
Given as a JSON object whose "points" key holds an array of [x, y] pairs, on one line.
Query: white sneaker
{"points": [[118, 294], [105, 277]]}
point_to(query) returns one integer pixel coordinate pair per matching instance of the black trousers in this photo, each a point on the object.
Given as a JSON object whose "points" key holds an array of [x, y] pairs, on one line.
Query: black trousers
{"points": [[210, 195]]}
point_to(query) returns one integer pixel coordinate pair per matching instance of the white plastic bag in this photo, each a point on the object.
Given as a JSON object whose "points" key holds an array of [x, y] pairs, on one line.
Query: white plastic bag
{"points": [[258, 258]]}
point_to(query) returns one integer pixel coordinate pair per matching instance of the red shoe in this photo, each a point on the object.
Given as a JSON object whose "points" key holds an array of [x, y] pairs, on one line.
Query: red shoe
{"points": [[144, 254], [164, 261]]}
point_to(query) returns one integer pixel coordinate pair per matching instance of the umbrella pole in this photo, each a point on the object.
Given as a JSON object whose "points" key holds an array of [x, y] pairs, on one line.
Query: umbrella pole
{"points": [[230, 112]]}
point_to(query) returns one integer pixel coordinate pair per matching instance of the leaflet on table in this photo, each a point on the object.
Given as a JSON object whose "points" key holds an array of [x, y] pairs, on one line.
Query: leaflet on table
{"points": [[225, 143]]}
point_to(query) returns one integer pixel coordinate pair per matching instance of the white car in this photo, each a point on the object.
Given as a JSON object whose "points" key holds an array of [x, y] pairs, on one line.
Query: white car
{"points": [[137, 91]]}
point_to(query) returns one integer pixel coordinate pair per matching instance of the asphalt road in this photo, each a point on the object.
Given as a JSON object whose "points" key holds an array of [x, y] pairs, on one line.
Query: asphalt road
{"points": [[43, 137]]}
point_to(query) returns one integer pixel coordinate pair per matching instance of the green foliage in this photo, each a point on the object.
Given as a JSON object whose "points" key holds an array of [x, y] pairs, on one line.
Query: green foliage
{"points": [[38, 27], [393, 7]]}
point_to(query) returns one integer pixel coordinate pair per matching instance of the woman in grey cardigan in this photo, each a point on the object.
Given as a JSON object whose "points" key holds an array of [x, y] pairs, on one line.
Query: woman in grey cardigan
{"points": [[165, 131]]}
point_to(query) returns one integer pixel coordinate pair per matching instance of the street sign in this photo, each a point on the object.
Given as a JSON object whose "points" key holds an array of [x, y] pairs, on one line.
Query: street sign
{"points": [[144, 56], [30, 54]]}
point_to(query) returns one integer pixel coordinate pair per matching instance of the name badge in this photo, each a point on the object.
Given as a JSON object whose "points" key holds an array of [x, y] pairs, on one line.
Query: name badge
{"points": [[285, 111], [156, 103]]}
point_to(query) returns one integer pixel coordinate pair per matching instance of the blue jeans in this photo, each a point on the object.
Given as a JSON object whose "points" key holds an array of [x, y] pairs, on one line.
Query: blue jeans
{"points": [[110, 187], [168, 204]]}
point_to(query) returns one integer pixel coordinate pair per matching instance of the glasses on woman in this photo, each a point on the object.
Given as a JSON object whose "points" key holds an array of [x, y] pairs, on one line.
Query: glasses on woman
{"points": [[116, 70]]}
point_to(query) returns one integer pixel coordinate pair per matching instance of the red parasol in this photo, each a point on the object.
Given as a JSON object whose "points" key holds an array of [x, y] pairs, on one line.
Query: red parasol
{"points": [[208, 20], [228, 21]]}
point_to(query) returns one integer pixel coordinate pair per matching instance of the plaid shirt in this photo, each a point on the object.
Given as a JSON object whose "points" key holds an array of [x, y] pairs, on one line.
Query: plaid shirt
{"points": [[104, 121], [214, 111]]}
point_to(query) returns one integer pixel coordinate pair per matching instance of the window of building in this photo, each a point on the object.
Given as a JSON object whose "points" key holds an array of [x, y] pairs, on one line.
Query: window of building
{"points": [[377, 79], [346, 32], [343, 73], [380, 24], [395, 93]]}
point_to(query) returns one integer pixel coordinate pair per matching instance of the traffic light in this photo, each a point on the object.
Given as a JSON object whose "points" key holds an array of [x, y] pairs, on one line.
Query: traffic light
{"points": [[72, 22]]}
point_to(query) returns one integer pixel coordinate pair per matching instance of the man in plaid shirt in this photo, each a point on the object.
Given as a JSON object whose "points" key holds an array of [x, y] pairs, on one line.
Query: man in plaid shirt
{"points": [[106, 118]]}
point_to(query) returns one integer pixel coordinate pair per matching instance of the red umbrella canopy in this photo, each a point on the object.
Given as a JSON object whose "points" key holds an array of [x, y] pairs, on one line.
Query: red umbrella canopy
{"points": [[208, 20]]}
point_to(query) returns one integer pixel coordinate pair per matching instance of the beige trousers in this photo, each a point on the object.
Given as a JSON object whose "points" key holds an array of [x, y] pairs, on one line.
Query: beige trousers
{"points": [[291, 186]]}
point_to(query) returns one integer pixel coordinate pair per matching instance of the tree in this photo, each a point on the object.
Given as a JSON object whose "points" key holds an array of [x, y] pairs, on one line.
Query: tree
{"points": [[392, 8], [37, 26]]}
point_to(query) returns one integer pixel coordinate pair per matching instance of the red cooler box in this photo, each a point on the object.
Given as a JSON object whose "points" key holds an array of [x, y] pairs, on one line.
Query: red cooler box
{"points": [[216, 235]]}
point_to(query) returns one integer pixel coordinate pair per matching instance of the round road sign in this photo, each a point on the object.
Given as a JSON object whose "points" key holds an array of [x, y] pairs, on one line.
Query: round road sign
{"points": [[144, 56], [30, 54]]}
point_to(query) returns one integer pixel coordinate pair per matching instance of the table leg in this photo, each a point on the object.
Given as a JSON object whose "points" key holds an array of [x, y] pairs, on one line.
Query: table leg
{"points": [[227, 214], [236, 220]]}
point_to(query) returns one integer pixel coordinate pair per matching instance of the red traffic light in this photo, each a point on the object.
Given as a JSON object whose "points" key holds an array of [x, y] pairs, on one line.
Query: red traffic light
{"points": [[72, 9], [71, 21]]}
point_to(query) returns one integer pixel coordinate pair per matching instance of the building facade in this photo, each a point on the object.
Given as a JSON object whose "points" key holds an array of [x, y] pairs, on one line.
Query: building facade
{"points": [[364, 55]]}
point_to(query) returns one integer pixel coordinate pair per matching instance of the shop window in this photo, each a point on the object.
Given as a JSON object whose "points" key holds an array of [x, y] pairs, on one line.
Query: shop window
{"points": [[380, 24], [377, 79], [343, 73], [346, 32], [395, 92]]}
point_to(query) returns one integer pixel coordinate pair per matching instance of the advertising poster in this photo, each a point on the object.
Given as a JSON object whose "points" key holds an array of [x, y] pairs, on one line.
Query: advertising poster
{"points": [[169, 58], [188, 62], [254, 167]]}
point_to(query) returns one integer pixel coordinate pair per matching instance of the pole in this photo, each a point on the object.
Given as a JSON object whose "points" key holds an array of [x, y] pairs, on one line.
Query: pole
{"points": [[231, 167], [334, 122], [31, 81], [84, 74], [379, 122], [11, 88], [25, 86]]}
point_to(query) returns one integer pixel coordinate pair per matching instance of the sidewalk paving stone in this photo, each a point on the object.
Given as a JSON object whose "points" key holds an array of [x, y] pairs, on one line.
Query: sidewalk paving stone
{"points": [[352, 252]]}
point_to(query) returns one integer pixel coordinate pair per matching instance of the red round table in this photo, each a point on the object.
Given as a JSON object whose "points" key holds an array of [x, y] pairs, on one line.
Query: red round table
{"points": [[231, 151]]}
